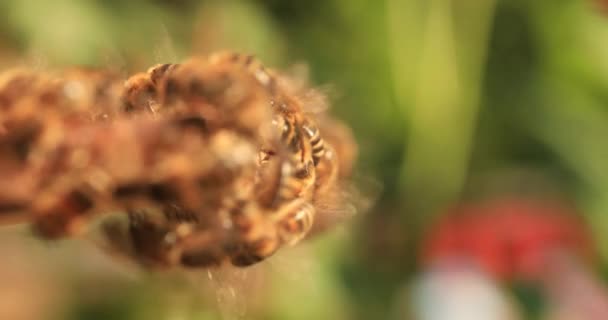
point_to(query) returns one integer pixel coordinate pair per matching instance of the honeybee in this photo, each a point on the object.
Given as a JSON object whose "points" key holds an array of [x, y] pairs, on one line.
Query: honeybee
{"points": [[212, 160]]}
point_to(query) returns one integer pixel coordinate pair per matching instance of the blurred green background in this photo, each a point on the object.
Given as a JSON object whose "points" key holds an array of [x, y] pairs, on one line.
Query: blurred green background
{"points": [[449, 99]]}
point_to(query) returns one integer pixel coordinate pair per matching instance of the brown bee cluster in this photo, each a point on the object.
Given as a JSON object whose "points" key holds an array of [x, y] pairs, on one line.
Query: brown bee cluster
{"points": [[215, 159]]}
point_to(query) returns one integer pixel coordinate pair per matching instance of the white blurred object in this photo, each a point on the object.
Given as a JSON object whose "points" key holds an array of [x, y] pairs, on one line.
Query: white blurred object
{"points": [[459, 293]]}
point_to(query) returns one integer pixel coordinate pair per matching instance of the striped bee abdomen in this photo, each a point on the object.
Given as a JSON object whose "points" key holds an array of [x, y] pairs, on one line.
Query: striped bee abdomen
{"points": [[316, 141]]}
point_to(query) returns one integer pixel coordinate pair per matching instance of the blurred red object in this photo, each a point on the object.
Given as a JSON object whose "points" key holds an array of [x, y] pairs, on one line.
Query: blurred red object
{"points": [[508, 238]]}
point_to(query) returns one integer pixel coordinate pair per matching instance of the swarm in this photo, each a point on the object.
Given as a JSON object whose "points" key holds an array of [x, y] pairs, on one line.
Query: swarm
{"points": [[215, 159]]}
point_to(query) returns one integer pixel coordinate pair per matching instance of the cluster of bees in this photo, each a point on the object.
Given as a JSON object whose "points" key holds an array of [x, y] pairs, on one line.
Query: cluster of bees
{"points": [[217, 159]]}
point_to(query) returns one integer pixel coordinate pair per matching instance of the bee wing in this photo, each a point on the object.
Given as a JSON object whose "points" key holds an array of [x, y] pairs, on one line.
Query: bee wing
{"points": [[343, 201], [165, 50], [296, 81], [296, 265], [235, 292], [365, 190], [316, 100]]}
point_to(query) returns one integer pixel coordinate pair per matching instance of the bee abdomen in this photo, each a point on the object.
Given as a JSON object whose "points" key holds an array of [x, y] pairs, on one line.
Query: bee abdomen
{"points": [[316, 142], [296, 222], [254, 252]]}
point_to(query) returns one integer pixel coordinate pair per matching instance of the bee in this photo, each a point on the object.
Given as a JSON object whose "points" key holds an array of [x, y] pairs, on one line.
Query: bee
{"points": [[141, 90], [196, 164]]}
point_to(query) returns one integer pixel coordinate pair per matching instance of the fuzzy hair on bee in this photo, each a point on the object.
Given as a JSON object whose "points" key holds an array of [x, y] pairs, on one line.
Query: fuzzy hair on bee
{"points": [[213, 160]]}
